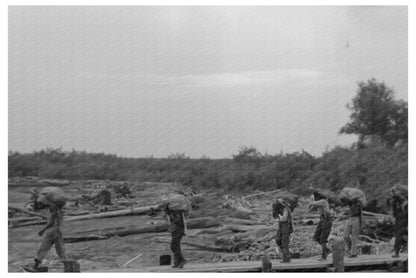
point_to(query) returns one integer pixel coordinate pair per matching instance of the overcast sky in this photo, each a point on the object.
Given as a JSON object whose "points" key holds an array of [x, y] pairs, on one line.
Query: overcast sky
{"points": [[141, 81]]}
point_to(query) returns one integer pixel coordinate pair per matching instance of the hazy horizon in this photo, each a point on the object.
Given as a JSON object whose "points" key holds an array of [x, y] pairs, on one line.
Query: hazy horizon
{"points": [[146, 81]]}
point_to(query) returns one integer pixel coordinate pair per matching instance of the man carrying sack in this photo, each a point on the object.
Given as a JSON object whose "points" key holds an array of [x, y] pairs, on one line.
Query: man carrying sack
{"points": [[282, 213], [53, 199], [176, 209], [355, 199], [353, 226], [324, 226]]}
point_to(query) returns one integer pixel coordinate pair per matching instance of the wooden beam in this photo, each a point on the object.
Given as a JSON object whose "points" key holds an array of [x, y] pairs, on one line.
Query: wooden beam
{"points": [[124, 212], [304, 265], [27, 212]]}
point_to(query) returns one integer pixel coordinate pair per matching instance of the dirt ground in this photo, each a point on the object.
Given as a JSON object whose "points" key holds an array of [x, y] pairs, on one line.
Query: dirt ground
{"points": [[114, 252], [111, 253]]}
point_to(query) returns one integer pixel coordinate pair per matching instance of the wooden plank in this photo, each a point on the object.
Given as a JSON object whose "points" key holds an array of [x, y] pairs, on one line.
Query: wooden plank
{"points": [[301, 264], [304, 265]]}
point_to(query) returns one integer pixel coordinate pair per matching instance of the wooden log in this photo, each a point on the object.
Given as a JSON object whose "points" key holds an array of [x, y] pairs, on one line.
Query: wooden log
{"points": [[27, 212], [71, 239], [232, 220], [31, 223], [337, 245], [260, 193], [266, 264], [124, 212], [18, 221], [379, 215], [71, 266], [196, 223], [24, 219], [232, 229]]}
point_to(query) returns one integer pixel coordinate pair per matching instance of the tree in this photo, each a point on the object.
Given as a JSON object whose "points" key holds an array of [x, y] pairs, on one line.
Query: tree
{"points": [[248, 155], [376, 115]]}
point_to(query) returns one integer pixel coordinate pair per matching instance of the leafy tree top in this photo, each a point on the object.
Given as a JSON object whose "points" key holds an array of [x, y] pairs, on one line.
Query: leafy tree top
{"points": [[376, 115]]}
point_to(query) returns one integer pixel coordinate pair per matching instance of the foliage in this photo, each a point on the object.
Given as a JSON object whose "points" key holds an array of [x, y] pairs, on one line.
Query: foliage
{"points": [[377, 115], [373, 169]]}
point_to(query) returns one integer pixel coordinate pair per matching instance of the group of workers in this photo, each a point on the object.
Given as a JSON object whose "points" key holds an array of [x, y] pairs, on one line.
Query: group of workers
{"points": [[352, 228], [281, 212]]}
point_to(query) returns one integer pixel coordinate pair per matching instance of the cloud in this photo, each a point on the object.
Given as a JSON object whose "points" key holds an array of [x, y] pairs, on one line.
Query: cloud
{"points": [[226, 79]]}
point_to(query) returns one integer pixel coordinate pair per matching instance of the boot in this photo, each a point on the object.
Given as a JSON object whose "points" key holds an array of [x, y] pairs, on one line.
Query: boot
{"points": [[36, 265], [182, 263], [175, 262], [324, 252]]}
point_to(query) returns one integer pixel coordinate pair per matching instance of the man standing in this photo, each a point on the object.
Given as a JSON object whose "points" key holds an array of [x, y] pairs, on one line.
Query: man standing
{"points": [[282, 213], [400, 213], [353, 226]]}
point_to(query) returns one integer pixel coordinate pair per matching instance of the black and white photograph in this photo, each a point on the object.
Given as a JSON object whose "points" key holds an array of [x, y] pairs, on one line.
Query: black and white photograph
{"points": [[207, 138]]}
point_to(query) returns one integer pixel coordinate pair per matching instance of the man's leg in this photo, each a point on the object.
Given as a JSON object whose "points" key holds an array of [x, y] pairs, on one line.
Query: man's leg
{"points": [[59, 246], [324, 251], [175, 246], [354, 235], [285, 242], [318, 232], [399, 238], [279, 242], [347, 234], [43, 250]]}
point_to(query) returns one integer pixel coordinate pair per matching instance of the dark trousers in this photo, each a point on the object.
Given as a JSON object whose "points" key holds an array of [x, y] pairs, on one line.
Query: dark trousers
{"points": [[282, 239], [175, 246], [325, 250], [400, 233], [321, 236]]}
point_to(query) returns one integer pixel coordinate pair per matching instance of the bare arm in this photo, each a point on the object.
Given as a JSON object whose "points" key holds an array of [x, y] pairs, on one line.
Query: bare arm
{"points": [[52, 218], [285, 215]]}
